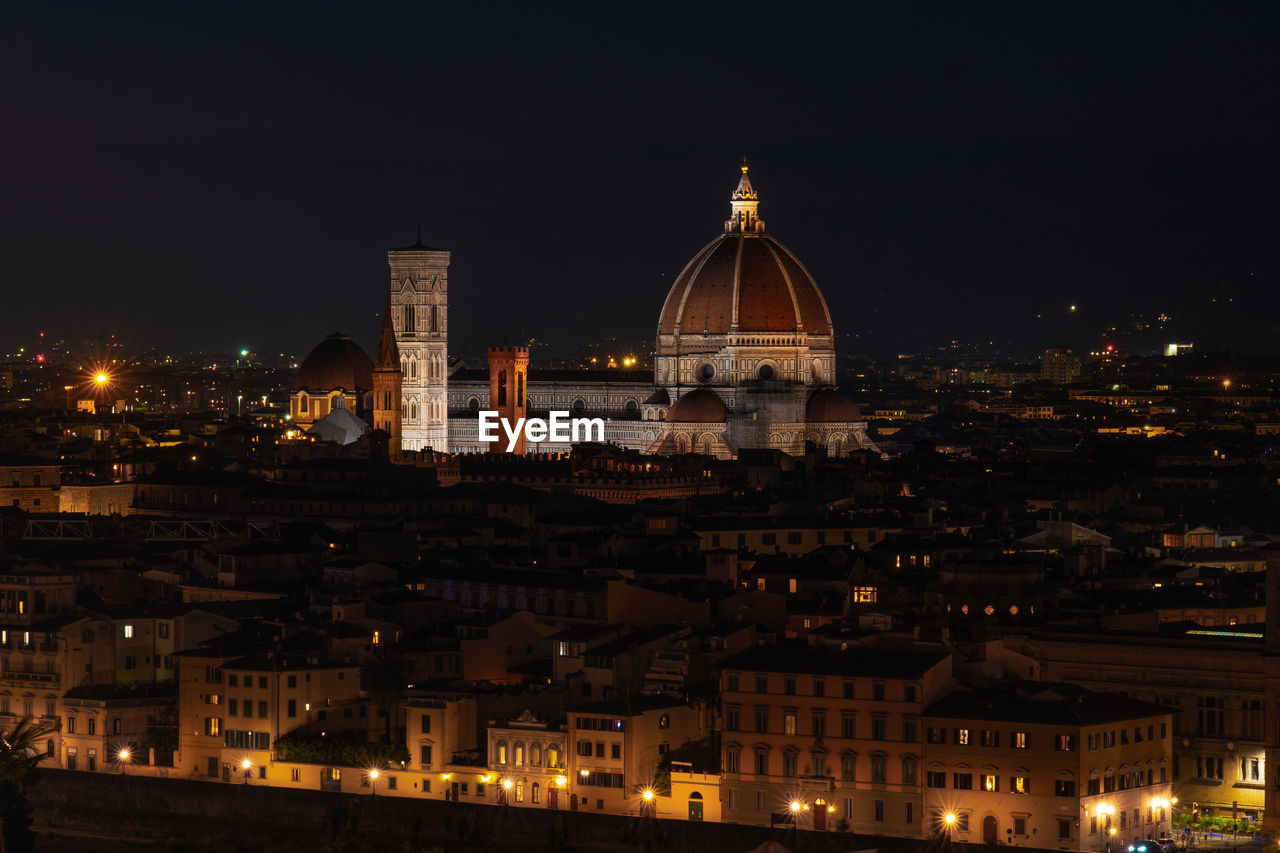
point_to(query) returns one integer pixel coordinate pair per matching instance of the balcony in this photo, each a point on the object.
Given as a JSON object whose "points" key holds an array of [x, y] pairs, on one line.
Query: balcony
{"points": [[30, 677]]}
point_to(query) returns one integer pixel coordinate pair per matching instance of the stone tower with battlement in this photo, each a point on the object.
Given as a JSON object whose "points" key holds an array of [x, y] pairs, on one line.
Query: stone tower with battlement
{"points": [[420, 317], [508, 373]]}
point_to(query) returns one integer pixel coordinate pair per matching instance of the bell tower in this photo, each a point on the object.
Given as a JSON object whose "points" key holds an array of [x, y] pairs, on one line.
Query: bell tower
{"points": [[508, 371], [420, 317], [387, 384]]}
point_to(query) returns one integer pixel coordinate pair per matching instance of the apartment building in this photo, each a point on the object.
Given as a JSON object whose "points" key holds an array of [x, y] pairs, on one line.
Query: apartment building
{"points": [[233, 708], [1214, 681], [828, 738], [617, 747], [29, 483], [1047, 766]]}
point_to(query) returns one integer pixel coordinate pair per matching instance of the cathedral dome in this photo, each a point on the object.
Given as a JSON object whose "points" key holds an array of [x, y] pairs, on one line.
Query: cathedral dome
{"points": [[744, 281], [336, 362], [702, 406], [829, 406]]}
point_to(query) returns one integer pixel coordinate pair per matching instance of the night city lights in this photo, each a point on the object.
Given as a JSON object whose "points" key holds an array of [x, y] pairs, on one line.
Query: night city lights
{"points": [[521, 428]]}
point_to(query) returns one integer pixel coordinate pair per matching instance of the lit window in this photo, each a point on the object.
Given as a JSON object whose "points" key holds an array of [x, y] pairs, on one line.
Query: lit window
{"points": [[128, 632]]}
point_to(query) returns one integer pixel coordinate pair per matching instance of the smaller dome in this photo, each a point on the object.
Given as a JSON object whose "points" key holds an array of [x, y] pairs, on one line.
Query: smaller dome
{"points": [[703, 406], [829, 406], [336, 362]]}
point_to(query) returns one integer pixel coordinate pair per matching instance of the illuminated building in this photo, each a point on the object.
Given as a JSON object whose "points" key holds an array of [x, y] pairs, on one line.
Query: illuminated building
{"points": [[1059, 366], [1048, 766], [420, 316], [745, 359], [336, 374]]}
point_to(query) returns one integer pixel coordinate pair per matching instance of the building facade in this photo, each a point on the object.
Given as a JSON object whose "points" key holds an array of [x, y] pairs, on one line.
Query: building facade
{"points": [[1048, 767], [826, 739]]}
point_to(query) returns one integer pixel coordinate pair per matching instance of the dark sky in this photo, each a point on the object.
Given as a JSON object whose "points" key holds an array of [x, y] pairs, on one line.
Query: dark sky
{"points": [[212, 176]]}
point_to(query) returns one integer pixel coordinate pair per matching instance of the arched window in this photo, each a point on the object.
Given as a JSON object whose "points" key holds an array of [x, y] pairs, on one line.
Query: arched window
{"points": [[535, 755], [502, 387], [553, 756], [535, 793], [502, 752], [520, 791], [519, 753]]}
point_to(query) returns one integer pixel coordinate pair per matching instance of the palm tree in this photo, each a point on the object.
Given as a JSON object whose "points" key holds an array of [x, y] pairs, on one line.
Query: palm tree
{"points": [[385, 677], [21, 749]]}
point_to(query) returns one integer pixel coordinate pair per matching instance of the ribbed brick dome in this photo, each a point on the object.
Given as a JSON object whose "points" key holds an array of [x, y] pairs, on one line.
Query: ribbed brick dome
{"points": [[336, 362], [744, 281], [829, 406], [750, 280]]}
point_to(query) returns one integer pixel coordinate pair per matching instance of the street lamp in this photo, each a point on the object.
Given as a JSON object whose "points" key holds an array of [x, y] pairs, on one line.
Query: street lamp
{"points": [[123, 756], [247, 766], [373, 782]]}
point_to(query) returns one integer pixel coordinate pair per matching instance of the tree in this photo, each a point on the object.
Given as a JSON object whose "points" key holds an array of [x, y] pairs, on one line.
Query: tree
{"points": [[385, 677], [21, 748]]}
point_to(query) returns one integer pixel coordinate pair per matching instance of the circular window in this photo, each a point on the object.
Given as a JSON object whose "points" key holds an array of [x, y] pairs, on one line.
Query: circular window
{"points": [[632, 407], [474, 404], [1013, 610], [765, 372], [706, 371], [989, 610], [579, 406]]}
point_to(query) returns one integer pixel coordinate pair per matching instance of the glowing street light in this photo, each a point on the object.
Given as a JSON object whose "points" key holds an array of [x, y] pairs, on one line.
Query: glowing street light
{"points": [[123, 756], [648, 795], [506, 784], [796, 805], [949, 818], [247, 766]]}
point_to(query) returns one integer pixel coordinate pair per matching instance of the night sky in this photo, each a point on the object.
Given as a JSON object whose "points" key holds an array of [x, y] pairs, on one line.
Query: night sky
{"points": [[234, 177]]}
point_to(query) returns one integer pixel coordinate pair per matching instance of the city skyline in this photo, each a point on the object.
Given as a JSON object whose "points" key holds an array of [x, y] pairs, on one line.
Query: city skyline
{"points": [[950, 178]]}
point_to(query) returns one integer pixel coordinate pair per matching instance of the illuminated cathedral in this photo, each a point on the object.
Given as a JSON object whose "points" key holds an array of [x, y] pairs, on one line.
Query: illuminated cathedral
{"points": [[744, 358]]}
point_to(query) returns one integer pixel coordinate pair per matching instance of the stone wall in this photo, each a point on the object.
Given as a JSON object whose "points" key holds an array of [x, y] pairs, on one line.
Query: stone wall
{"points": [[148, 808]]}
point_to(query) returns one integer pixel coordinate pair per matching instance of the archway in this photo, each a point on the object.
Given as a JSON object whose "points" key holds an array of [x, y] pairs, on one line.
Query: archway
{"points": [[695, 806], [989, 830]]}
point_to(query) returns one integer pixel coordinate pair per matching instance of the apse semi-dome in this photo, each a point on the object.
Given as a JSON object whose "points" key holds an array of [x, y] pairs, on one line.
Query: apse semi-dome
{"points": [[744, 281], [702, 406], [829, 406], [336, 362]]}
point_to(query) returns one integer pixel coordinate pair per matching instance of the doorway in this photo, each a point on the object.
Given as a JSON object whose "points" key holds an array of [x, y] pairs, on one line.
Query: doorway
{"points": [[695, 806], [820, 814], [989, 830]]}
